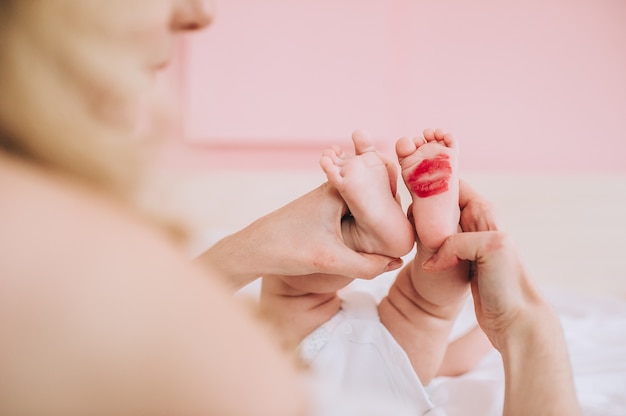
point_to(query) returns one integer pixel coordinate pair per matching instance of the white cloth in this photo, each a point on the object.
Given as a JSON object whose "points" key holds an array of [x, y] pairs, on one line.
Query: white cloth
{"points": [[356, 358]]}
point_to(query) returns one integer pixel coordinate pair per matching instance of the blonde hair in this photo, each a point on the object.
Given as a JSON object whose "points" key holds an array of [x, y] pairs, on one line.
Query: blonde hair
{"points": [[47, 120]]}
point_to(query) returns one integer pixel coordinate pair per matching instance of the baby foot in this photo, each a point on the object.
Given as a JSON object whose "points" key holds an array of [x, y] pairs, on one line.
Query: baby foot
{"points": [[429, 170], [367, 183]]}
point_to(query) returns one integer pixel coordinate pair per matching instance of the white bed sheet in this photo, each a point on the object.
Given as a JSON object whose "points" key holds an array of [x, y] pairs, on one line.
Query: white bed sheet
{"points": [[595, 330]]}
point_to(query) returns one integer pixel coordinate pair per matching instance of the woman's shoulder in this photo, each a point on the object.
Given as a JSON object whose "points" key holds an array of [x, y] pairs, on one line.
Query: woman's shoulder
{"points": [[127, 306], [44, 197], [46, 216]]}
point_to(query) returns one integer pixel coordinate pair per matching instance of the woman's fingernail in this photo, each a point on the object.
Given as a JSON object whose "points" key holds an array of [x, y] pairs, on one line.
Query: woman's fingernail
{"points": [[428, 263], [394, 265]]}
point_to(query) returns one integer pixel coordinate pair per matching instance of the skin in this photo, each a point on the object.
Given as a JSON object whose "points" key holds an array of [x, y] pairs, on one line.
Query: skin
{"points": [[421, 306], [101, 313], [380, 227], [124, 325], [108, 52], [316, 247]]}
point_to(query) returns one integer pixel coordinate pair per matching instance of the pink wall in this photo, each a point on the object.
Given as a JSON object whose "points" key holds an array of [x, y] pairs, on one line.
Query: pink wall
{"points": [[530, 86]]}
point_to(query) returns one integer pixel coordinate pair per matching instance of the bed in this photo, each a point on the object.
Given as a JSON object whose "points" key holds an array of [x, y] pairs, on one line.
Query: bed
{"points": [[570, 231]]}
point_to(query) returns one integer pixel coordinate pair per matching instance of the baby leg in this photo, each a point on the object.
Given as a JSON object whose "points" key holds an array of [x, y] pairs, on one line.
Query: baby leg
{"points": [[421, 306]]}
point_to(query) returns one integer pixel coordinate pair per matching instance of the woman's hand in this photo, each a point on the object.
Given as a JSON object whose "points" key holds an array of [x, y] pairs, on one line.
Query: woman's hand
{"points": [[518, 321], [500, 284], [501, 288], [301, 238]]}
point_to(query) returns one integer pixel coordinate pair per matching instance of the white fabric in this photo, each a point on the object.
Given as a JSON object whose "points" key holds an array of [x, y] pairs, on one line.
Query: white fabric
{"points": [[353, 352], [595, 330]]}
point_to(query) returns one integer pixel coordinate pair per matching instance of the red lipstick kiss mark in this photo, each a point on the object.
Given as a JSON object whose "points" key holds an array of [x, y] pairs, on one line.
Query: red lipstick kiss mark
{"points": [[431, 176]]}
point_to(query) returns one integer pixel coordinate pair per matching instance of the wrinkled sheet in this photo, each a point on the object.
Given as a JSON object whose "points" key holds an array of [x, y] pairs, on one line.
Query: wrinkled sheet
{"points": [[595, 330]]}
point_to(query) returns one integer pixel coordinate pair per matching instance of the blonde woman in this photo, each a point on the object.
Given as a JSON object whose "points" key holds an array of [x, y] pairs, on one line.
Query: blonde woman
{"points": [[101, 313]]}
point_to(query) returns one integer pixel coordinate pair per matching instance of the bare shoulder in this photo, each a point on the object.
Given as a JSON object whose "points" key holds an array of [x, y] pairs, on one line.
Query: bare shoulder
{"points": [[90, 292], [62, 238], [57, 222]]}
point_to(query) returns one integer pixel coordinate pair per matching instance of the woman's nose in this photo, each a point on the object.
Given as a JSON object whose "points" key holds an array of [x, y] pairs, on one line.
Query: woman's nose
{"points": [[192, 14]]}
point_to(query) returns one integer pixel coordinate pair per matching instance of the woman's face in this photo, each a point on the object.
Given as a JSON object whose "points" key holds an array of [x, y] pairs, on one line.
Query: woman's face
{"points": [[108, 51], [142, 31]]}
